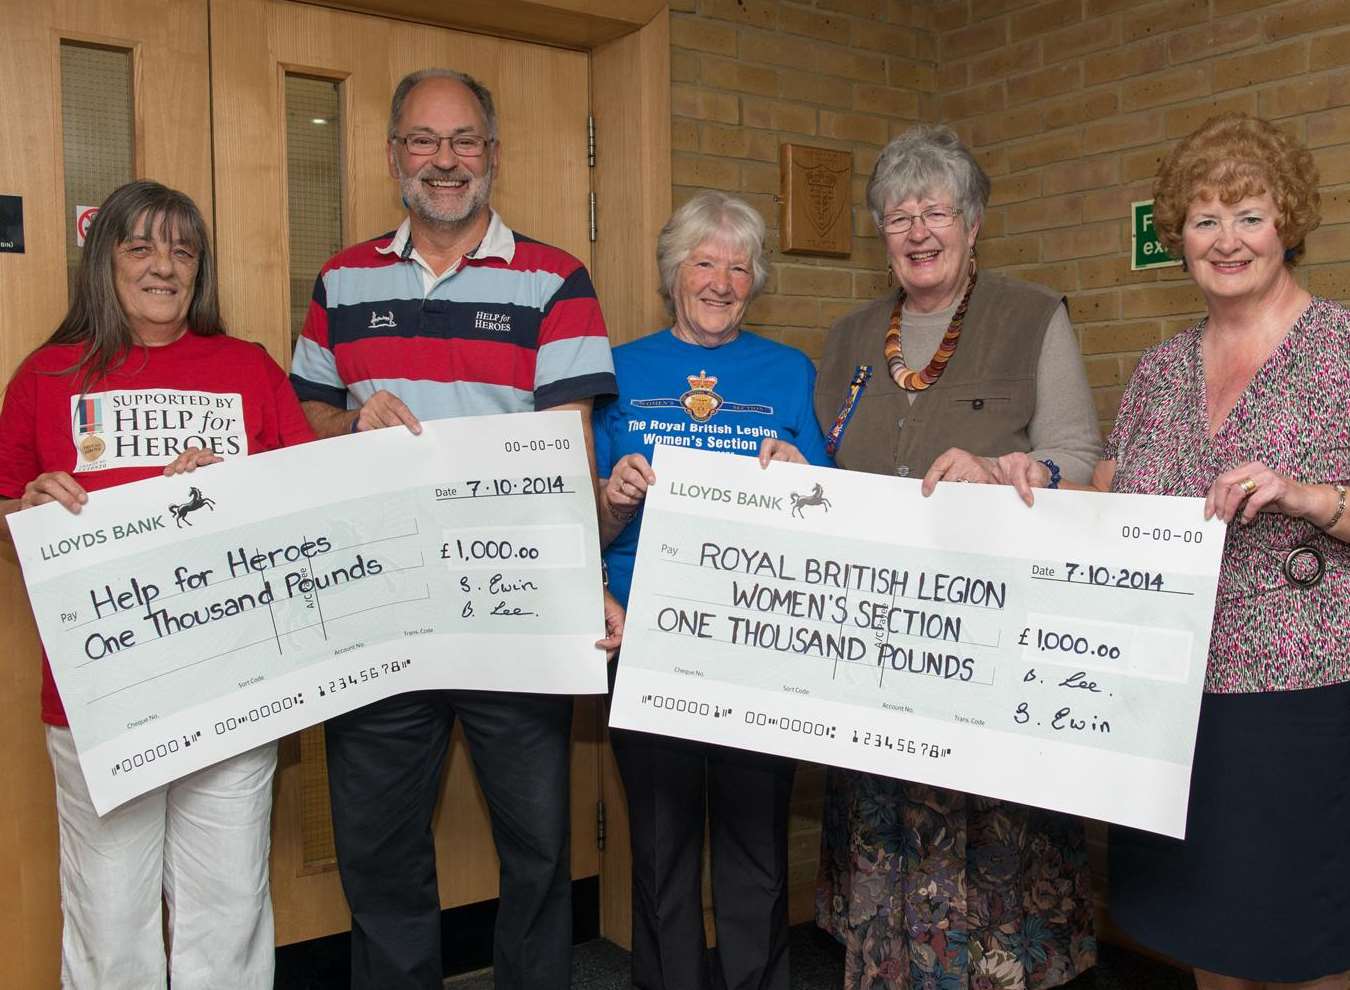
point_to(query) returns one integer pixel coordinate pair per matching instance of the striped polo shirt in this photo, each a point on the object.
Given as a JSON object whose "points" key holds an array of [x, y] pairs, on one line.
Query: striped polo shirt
{"points": [[514, 327]]}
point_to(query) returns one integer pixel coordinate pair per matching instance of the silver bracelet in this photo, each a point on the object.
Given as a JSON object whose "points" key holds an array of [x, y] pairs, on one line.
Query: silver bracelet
{"points": [[1340, 507]]}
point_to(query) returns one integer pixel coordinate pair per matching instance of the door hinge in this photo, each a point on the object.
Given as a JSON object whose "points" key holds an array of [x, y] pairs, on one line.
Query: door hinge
{"points": [[590, 140], [600, 824], [593, 227]]}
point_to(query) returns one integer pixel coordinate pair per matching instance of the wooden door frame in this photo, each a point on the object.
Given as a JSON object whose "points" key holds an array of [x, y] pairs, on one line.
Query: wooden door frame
{"points": [[170, 101], [629, 46]]}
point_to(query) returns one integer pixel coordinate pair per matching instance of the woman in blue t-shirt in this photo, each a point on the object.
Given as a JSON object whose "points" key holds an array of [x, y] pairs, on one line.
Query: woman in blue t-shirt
{"points": [[703, 369]]}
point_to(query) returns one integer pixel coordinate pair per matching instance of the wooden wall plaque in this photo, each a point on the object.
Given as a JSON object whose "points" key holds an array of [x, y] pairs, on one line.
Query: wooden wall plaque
{"points": [[816, 189]]}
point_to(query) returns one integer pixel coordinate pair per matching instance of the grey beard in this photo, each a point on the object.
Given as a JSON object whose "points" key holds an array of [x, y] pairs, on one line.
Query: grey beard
{"points": [[415, 195]]}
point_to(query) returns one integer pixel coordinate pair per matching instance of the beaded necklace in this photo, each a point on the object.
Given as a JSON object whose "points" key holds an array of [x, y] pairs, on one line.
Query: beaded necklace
{"points": [[917, 381]]}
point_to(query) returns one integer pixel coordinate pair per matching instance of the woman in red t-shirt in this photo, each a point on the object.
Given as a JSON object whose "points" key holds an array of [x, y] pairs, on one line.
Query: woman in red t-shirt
{"points": [[144, 331]]}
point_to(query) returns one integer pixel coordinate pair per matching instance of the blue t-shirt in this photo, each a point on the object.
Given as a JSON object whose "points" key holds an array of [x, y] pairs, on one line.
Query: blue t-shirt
{"points": [[726, 398]]}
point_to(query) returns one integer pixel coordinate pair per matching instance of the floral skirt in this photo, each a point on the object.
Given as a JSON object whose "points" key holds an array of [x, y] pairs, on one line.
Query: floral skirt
{"points": [[933, 889]]}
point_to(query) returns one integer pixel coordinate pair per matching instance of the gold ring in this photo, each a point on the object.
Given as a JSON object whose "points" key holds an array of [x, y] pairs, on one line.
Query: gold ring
{"points": [[1248, 486]]}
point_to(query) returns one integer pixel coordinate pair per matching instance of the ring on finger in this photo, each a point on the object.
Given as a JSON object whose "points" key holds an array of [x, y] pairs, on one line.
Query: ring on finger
{"points": [[1248, 486]]}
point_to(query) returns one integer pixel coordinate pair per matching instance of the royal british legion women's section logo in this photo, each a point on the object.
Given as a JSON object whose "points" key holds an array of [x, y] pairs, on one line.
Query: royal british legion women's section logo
{"points": [[701, 402]]}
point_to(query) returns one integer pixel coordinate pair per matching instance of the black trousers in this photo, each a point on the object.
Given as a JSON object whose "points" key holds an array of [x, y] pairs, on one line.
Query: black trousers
{"points": [[384, 772], [670, 783]]}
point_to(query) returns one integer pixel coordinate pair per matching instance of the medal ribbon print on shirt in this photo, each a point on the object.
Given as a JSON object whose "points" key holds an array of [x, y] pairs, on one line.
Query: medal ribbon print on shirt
{"points": [[88, 426]]}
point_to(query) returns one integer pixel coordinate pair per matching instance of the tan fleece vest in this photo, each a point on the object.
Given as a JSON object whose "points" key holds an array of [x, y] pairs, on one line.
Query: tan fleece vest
{"points": [[983, 402]]}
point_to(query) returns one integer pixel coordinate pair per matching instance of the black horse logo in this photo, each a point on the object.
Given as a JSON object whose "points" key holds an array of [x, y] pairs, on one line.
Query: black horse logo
{"points": [[817, 497], [196, 500]]}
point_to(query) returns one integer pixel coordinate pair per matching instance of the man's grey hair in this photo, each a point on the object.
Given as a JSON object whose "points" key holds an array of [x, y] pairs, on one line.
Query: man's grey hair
{"points": [[480, 92], [710, 214], [928, 160]]}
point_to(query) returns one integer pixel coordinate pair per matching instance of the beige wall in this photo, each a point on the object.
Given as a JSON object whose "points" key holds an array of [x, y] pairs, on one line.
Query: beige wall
{"points": [[1072, 103], [747, 75], [1068, 104]]}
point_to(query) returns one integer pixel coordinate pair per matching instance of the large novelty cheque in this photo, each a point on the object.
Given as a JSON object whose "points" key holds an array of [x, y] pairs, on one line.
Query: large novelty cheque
{"points": [[188, 619], [1051, 655]]}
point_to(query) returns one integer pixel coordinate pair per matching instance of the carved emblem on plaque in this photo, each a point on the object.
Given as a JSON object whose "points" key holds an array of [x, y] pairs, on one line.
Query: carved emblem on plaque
{"points": [[816, 214]]}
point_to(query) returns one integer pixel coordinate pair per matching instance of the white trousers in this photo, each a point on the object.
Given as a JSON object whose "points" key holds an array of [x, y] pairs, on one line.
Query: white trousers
{"points": [[200, 844]]}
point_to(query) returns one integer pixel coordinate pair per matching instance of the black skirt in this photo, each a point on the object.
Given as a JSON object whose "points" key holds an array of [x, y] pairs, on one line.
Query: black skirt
{"points": [[1260, 889]]}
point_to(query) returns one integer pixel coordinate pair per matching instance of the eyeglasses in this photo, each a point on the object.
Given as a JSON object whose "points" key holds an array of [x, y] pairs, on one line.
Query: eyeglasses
{"points": [[463, 145], [934, 218]]}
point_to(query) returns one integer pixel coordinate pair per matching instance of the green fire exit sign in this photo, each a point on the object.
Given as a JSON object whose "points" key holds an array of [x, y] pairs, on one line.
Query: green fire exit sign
{"points": [[1146, 251]]}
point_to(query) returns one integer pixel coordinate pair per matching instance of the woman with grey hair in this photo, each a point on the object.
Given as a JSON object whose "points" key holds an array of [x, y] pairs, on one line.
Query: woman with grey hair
{"points": [[144, 333], [926, 886], [754, 396]]}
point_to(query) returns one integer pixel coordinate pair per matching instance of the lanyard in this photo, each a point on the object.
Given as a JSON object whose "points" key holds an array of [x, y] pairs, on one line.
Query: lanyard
{"points": [[855, 390]]}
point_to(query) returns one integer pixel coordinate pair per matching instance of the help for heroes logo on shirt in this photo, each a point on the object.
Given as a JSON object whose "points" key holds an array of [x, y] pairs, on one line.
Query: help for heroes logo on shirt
{"points": [[149, 428]]}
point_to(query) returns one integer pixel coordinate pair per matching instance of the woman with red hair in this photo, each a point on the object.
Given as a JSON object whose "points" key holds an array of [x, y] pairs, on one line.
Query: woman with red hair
{"points": [[1249, 409]]}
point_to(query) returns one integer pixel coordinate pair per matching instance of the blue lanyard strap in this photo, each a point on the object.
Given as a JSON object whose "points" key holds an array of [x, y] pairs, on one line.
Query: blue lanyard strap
{"points": [[835, 437]]}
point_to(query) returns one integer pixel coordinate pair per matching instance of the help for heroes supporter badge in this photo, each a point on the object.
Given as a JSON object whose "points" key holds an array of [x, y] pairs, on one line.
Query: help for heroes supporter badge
{"points": [[149, 427]]}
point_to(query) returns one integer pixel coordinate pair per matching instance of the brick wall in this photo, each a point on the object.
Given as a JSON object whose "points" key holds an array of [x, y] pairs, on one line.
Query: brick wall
{"points": [[747, 75], [1069, 105]]}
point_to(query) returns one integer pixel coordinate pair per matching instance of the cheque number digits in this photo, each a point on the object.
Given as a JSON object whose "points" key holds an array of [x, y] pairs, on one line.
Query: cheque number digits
{"points": [[1162, 534], [517, 446], [899, 744]]}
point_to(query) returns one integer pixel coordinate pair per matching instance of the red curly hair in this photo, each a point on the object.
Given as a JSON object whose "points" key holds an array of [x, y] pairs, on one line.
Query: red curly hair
{"points": [[1231, 157]]}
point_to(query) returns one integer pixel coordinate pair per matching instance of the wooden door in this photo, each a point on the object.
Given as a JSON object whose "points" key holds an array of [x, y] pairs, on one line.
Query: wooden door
{"points": [[164, 46], [542, 189]]}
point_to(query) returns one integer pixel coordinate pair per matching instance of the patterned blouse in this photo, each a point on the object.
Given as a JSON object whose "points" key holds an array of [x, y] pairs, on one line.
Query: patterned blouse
{"points": [[1269, 633]]}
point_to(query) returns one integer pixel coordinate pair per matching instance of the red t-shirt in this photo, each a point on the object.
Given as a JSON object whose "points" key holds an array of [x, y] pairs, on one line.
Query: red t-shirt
{"points": [[218, 392]]}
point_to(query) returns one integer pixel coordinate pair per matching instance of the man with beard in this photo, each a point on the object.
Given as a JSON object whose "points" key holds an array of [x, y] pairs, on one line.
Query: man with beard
{"points": [[453, 314]]}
